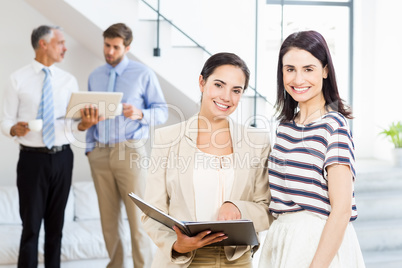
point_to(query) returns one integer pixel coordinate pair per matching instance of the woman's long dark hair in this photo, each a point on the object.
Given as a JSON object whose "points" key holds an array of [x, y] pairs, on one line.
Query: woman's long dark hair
{"points": [[314, 43]]}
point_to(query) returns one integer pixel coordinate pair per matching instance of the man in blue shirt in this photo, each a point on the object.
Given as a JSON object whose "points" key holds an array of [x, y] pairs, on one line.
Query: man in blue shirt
{"points": [[114, 146]]}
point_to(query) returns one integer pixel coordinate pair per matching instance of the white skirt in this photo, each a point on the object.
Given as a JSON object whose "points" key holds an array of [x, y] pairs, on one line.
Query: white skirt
{"points": [[293, 238]]}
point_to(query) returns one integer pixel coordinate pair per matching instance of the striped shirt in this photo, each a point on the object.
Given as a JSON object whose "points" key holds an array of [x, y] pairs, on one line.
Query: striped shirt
{"points": [[298, 162]]}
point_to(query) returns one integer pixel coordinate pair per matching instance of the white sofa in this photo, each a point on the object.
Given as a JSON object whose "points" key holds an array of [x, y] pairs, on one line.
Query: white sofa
{"points": [[82, 244]]}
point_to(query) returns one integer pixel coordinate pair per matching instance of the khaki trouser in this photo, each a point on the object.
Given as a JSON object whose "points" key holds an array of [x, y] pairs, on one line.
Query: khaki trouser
{"points": [[214, 257], [115, 176]]}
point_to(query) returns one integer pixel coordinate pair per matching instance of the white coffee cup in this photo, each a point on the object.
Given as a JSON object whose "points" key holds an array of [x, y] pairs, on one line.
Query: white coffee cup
{"points": [[119, 109], [35, 125]]}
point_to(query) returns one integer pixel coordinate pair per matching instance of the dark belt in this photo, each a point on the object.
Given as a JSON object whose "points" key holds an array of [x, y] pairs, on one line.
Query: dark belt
{"points": [[44, 150]]}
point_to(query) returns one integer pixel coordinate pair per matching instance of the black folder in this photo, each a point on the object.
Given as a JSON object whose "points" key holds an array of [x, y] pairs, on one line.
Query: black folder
{"points": [[239, 232]]}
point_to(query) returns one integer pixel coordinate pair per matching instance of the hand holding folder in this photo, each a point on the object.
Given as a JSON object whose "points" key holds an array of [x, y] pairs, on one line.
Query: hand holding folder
{"points": [[239, 232]]}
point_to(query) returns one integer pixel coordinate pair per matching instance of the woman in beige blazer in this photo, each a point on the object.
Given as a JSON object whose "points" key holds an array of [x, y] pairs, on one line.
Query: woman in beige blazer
{"points": [[209, 168]]}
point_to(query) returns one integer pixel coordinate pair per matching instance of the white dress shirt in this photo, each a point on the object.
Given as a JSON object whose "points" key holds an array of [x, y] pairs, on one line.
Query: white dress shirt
{"points": [[22, 98], [213, 178]]}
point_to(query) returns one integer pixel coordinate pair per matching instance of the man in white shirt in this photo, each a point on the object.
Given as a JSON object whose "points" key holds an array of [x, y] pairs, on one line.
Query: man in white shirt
{"points": [[41, 91]]}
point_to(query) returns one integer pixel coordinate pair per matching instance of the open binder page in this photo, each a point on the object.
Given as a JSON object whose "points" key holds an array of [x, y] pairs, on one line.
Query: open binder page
{"points": [[239, 232]]}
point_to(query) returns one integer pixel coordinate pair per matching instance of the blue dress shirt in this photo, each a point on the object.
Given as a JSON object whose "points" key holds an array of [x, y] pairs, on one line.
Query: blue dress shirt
{"points": [[140, 88]]}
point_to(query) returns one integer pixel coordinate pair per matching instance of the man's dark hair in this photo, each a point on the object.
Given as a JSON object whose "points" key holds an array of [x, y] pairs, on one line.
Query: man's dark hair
{"points": [[119, 30]]}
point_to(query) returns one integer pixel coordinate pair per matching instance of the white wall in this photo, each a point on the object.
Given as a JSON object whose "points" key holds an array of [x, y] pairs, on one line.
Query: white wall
{"points": [[377, 89], [17, 20]]}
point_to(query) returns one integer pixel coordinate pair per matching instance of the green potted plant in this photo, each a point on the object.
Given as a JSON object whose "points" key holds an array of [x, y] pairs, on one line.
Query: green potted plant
{"points": [[394, 132]]}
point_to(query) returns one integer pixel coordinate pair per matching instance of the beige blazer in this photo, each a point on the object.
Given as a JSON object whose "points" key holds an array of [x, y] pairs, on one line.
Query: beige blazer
{"points": [[170, 185]]}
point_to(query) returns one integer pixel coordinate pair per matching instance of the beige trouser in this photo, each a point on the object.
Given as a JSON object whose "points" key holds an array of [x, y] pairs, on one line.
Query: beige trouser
{"points": [[115, 174], [214, 257]]}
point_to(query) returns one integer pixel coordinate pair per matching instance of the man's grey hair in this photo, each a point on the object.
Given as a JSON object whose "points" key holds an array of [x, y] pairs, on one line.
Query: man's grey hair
{"points": [[44, 32]]}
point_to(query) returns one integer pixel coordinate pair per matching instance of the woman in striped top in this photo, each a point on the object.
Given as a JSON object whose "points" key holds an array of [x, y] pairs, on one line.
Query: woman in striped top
{"points": [[311, 167]]}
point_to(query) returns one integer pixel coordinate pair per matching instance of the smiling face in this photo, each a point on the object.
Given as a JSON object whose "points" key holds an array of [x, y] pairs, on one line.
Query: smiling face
{"points": [[303, 76], [221, 92], [114, 50]]}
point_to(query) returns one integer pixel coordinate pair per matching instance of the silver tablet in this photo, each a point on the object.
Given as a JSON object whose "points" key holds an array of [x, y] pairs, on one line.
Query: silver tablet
{"points": [[108, 103]]}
